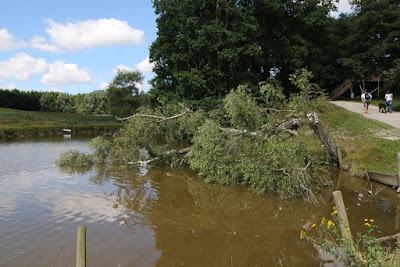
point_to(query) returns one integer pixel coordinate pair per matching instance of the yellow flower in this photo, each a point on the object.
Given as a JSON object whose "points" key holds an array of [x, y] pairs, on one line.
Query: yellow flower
{"points": [[367, 224], [323, 220], [334, 212], [313, 225], [365, 220], [334, 208], [347, 230], [301, 234], [372, 220], [330, 223]]}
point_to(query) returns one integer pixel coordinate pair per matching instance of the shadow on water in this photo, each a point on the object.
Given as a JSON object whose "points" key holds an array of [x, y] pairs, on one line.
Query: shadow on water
{"points": [[161, 216]]}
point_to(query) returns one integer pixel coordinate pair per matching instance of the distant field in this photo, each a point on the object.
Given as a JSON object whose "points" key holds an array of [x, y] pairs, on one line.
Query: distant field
{"points": [[18, 122]]}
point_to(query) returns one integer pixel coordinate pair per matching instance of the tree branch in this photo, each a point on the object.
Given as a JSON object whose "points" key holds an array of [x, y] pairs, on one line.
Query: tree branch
{"points": [[160, 118], [160, 156]]}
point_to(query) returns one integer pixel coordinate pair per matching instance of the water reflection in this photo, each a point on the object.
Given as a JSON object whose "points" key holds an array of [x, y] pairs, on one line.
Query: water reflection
{"points": [[160, 216]]}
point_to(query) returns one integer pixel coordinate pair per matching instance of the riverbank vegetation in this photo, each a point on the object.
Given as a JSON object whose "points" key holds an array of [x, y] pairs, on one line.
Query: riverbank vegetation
{"points": [[15, 123]]}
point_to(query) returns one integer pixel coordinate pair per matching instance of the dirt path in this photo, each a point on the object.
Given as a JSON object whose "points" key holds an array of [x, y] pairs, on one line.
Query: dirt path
{"points": [[392, 119]]}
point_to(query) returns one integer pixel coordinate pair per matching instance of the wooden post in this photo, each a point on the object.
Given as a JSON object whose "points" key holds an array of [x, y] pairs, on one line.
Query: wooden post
{"points": [[342, 214], [398, 169], [81, 247], [339, 154]]}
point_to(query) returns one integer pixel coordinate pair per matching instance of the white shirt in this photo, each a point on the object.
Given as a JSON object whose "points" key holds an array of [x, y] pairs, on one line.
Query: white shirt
{"points": [[363, 97], [389, 97]]}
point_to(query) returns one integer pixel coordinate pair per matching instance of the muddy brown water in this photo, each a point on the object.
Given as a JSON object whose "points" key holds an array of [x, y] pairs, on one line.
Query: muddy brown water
{"points": [[159, 216]]}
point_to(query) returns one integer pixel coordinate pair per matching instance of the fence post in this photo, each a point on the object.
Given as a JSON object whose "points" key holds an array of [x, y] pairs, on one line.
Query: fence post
{"points": [[81, 247], [339, 153], [343, 220]]}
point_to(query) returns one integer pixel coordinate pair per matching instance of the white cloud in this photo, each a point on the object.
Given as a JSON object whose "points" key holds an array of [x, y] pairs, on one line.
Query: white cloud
{"points": [[13, 86], [93, 33], [21, 67], [39, 42], [7, 40], [145, 66], [121, 68], [145, 86], [343, 6], [104, 85], [61, 73]]}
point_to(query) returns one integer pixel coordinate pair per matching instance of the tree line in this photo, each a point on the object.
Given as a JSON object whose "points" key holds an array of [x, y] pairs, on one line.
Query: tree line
{"points": [[91, 103]]}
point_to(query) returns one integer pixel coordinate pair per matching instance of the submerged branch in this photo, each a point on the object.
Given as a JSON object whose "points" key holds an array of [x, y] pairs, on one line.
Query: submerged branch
{"points": [[160, 156]]}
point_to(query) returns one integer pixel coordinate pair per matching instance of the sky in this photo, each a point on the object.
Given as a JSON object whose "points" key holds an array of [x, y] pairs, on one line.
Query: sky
{"points": [[77, 46]]}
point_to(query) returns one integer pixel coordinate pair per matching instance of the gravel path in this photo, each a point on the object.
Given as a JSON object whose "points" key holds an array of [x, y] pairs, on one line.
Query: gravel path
{"points": [[392, 119]]}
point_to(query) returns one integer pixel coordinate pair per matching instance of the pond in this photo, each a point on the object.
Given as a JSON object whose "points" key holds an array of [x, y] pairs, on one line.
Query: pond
{"points": [[159, 216]]}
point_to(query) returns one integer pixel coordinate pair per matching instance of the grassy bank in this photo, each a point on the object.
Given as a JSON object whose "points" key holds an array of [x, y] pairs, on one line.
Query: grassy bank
{"points": [[14, 123], [364, 143]]}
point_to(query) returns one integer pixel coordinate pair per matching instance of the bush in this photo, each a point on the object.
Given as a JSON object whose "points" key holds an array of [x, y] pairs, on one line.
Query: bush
{"points": [[74, 158]]}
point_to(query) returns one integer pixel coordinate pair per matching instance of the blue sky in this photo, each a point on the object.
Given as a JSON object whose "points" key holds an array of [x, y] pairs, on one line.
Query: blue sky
{"points": [[76, 46]]}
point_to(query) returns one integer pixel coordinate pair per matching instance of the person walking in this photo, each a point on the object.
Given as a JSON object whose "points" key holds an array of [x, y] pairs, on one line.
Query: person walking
{"points": [[366, 99], [389, 101]]}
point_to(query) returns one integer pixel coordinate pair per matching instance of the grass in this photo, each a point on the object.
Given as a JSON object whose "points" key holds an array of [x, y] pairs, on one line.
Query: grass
{"points": [[18, 122], [359, 141]]}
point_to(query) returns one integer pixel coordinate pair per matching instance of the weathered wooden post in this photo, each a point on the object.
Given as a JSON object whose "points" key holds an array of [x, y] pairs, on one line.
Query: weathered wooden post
{"points": [[339, 154], [342, 214], [81, 247]]}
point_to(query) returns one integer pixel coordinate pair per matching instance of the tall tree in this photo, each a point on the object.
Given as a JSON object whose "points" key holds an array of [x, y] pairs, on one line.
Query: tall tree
{"points": [[207, 48], [123, 93], [204, 48], [374, 45]]}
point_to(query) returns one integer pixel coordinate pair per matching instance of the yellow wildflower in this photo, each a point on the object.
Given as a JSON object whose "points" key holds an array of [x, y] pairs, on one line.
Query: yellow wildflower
{"points": [[313, 225], [367, 224], [301, 234], [347, 230], [365, 220], [323, 220], [372, 220], [334, 208], [334, 212], [329, 224]]}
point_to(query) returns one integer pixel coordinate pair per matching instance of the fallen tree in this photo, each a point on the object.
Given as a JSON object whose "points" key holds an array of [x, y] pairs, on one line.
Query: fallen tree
{"points": [[248, 140]]}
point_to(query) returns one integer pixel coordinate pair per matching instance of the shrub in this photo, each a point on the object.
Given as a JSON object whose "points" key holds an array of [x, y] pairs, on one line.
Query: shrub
{"points": [[74, 158]]}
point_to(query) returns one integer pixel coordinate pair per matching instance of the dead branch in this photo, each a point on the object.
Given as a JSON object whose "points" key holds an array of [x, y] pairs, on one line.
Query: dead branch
{"points": [[323, 136], [160, 118], [160, 156]]}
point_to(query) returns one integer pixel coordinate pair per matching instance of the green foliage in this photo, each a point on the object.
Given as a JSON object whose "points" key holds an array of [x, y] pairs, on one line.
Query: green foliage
{"points": [[92, 103], [373, 43], [391, 78], [273, 93], [19, 99], [242, 110], [204, 49], [101, 147], [265, 164], [74, 158], [123, 93]]}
